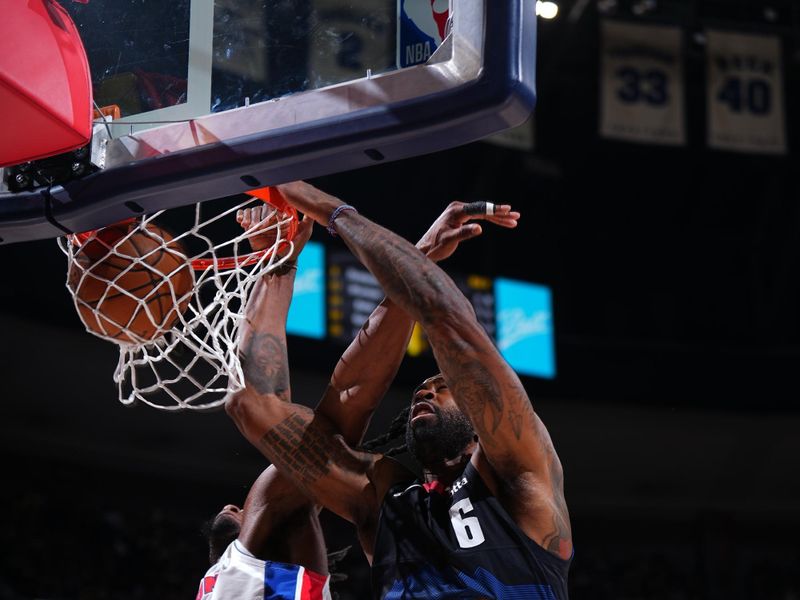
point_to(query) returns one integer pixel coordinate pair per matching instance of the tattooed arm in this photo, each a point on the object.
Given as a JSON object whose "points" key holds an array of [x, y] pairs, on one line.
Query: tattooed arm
{"points": [[305, 447], [274, 504], [370, 363], [512, 438], [279, 523]]}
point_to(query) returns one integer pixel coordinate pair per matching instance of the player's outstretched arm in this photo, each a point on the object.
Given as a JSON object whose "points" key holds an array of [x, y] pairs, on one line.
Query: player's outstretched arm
{"points": [[514, 440], [369, 365]]}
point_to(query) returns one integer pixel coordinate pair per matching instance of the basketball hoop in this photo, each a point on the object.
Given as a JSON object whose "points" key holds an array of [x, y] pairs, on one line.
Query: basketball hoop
{"points": [[184, 356], [269, 195]]}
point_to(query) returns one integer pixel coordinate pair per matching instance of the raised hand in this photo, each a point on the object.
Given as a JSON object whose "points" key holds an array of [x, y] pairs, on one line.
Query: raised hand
{"points": [[261, 223], [310, 201], [454, 226], [440, 241]]}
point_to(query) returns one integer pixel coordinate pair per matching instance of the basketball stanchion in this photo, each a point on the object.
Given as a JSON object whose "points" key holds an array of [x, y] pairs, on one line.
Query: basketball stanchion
{"points": [[173, 302]]}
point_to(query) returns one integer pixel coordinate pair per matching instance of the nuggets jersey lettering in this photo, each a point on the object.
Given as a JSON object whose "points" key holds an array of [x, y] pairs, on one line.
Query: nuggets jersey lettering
{"points": [[238, 575], [461, 544]]}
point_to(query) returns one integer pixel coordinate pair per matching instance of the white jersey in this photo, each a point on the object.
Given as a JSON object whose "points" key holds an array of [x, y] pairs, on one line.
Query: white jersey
{"points": [[238, 575]]}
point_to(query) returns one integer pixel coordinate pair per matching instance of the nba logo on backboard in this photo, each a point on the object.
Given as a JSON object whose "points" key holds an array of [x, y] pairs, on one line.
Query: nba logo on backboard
{"points": [[421, 27]]}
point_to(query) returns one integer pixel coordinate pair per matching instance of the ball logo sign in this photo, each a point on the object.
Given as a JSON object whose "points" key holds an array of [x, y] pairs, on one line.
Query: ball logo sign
{"points": [[421, 27], [307, 311], [525, 333]]}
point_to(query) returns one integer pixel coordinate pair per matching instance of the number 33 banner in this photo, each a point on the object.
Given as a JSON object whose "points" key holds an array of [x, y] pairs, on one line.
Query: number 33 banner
{"points": [[642, 84], [745, 93]]}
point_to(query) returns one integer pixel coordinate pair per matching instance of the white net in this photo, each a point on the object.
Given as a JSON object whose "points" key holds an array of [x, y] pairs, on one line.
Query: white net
{"points": [[174, 302]]}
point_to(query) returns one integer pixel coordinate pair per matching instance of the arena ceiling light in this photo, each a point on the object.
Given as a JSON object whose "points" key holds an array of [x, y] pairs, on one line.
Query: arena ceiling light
{"points": [[546, 10]]}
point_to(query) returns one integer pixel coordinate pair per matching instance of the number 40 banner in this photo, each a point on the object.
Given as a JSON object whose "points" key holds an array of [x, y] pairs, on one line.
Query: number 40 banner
{"points": [[745, 93], [642, 84]]}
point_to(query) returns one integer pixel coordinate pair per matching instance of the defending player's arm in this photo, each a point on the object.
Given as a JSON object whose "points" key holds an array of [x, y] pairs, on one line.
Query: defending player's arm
{"points": [[274, 505], [514, 440], [369, 365]]}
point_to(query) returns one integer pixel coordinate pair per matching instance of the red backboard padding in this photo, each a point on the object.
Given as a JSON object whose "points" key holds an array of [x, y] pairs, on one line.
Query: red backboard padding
{"points": [[45, 84]]}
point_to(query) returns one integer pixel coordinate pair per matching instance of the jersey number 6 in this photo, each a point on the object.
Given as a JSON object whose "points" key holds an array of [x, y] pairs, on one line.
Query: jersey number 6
{"points": [[468, 529]]}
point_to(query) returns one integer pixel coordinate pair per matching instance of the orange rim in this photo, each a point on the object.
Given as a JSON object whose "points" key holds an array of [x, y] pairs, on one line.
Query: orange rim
{"points": [[270, 195]]}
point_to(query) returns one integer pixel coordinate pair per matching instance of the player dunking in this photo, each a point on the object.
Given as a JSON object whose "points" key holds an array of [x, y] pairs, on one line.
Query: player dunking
{"points": [[489, 520], [273, 547]]}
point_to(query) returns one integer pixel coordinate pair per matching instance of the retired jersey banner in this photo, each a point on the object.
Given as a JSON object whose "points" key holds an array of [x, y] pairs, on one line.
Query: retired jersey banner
{"points": [[641, 98], [745, 93]]}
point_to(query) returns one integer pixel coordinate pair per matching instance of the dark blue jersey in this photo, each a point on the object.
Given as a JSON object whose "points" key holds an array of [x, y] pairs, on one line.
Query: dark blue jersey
{"points": [[460, 543]]}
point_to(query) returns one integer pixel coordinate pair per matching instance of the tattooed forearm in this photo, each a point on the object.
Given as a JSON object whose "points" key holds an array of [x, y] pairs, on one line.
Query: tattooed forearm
{"points": [[302, 446], [298, 449], [515, 419], [266, 365], [410, 279], [475, 388], [521, 415], [479, 395]]}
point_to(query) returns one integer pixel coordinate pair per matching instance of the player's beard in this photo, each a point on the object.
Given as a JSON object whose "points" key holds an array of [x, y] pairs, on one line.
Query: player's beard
{"points": [[446, 438], [220, 531], [225, 526]]}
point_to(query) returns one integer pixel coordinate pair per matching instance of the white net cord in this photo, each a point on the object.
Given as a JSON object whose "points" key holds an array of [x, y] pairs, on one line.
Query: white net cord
{"points": [[178, 344]]}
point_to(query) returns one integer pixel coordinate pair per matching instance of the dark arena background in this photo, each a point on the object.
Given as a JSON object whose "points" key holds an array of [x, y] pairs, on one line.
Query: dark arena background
{"points": [[675, 405]]}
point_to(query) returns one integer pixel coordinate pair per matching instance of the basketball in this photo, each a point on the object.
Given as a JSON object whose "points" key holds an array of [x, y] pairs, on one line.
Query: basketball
{"points": [[131, 287]]}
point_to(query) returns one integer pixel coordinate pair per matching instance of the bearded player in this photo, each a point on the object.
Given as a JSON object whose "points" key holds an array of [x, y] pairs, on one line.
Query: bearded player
{"points": [[489, 519], [275, 542]]}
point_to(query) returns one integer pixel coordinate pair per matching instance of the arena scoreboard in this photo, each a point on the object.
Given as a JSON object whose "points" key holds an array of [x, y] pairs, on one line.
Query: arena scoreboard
{"points": [[335, 294]]}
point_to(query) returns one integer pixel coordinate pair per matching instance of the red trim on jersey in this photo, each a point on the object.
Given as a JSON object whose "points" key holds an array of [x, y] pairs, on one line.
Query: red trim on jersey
{"points": [[434, 486], [313, 586], [206, 586]]}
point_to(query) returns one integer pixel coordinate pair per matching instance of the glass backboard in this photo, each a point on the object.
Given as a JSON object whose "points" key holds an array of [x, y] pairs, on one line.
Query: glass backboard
{"points": [[217, 97], [185, 59]]}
